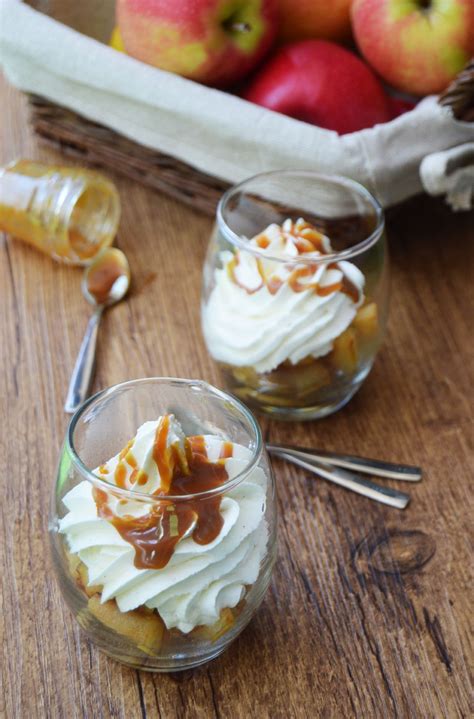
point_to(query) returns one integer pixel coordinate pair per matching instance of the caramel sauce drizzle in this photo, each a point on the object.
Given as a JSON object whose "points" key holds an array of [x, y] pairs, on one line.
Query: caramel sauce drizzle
{"points": [[162, 453], [120, 475], [155, 534], [232, 264], [130, 459], [227, 450], [126, 449], [306, 239], [350, 289], [262, 242]]}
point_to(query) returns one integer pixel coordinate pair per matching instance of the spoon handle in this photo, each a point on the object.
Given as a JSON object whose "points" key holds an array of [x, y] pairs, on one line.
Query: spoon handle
{"points": [[83, 372], [351, 481], [376, 467]]}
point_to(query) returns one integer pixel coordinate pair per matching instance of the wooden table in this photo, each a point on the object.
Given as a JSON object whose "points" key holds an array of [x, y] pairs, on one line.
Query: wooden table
{"points": [[368, 611]]}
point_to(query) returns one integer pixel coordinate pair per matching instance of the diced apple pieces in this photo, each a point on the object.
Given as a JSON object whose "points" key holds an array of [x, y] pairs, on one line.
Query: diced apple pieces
{"points": [[312, 377], [366, 321], [79, 572], [143, 627], [218, 629], [247, 377], [344, 354], [83, 576], [307, 376], [73, 563]]}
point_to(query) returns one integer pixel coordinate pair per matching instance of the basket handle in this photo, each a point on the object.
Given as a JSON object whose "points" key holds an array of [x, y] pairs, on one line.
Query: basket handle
{"points": [[459, 95], [451, 172]]}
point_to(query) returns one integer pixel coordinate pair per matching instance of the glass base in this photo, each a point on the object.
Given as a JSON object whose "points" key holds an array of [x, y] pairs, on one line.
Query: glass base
{"points": [[281, 400], [191, 656], [181, 652], [181, 665], [305, 414], [316, 411]]}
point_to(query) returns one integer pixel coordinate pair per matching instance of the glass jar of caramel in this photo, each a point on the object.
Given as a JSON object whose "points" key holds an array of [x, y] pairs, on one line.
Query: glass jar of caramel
{"points": [[69, 213]]}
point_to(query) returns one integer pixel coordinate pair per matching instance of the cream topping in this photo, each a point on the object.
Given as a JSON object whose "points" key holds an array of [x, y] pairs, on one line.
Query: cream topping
{"points": [[262, 311], [199, 580]]}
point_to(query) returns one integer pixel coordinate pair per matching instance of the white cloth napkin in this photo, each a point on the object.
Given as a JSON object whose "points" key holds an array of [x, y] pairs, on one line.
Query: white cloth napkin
{"points": [[215, 132]]}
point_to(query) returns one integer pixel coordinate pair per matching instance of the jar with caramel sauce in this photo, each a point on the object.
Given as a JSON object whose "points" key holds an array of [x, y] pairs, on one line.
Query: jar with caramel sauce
{"points": [[70, 213]]}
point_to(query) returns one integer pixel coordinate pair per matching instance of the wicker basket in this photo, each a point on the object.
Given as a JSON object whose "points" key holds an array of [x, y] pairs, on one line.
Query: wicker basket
{"points": [[102, 146]]}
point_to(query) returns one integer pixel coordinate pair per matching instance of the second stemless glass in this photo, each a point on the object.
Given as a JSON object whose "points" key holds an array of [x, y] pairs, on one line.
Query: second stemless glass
{"points": [[127, 613], [243, 326]]}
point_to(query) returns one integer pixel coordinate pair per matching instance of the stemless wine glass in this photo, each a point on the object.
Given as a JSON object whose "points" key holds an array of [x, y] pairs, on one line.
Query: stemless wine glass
{"points": [[192, 607], [295, 335]]}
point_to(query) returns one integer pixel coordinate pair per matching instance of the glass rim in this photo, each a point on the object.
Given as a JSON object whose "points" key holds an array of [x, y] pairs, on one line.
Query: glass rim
{"points": [[101, 482], [307, 258]]}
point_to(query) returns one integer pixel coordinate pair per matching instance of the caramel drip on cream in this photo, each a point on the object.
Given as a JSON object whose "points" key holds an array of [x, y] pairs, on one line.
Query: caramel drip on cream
{"points": [[306, 239], [155, 534]]}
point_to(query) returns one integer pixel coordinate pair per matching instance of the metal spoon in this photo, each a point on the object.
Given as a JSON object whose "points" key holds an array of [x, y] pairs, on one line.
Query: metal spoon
{"points": [[106, 281], [350, 480], [390, 470]]}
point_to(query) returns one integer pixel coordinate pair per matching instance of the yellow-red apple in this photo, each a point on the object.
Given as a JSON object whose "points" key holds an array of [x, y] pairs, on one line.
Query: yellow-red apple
{"points": [[417, 46], [212, 41], [308, 19]]}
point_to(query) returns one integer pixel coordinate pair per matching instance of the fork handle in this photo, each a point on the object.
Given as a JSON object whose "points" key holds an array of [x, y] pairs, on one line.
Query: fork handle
{"points": [[349, 480]]}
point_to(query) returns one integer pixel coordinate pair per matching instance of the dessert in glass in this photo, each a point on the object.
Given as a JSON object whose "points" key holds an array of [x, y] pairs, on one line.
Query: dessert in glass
{"points": [[163, 527], [295, 291]]}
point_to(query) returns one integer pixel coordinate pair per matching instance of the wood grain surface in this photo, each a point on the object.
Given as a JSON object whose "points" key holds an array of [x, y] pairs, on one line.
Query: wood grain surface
{"points": [[368, 614]]}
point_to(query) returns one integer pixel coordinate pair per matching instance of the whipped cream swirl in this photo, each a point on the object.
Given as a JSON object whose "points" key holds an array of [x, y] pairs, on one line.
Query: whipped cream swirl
{"points": [[200, 579], [262, 311]]}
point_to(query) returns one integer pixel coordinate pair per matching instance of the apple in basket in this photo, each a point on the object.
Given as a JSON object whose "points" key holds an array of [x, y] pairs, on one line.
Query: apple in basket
{"points": [[321, 83], [216, 42], [418, 46]]}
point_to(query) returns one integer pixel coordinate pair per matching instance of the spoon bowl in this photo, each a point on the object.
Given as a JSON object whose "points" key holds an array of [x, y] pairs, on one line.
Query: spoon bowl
{"points": [[107, 279]]}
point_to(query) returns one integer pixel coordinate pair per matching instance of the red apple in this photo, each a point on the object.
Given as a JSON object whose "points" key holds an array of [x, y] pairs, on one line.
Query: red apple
{"points": [[323, 84], [417, 46], [212, 41]]}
